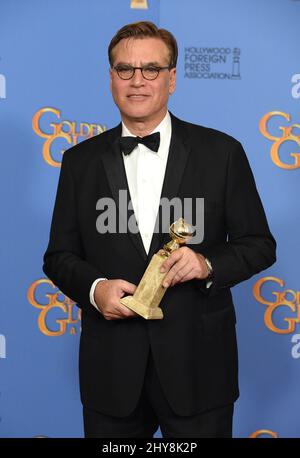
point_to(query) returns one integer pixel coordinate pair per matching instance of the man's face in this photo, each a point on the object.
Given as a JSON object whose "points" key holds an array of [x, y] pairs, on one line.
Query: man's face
{"points": [[139, 99]]}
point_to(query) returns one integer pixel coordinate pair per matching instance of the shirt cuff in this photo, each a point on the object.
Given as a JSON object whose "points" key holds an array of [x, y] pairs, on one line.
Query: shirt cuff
{"points": [[92, 291]]}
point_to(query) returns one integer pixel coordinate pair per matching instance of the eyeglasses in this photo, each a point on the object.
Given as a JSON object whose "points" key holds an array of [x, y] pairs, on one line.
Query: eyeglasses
{"points": [[150, 72]]}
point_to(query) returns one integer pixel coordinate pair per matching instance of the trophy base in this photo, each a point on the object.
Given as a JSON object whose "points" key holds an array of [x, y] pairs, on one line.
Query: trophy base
{"points": [[149, 313]]}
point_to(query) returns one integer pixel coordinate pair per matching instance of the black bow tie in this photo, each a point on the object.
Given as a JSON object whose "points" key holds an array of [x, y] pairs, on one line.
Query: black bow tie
{"points": [[127, 144]]}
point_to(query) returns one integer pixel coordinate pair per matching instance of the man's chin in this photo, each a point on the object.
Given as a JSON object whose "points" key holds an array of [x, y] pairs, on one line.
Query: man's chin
{"points": [[137, 116]]}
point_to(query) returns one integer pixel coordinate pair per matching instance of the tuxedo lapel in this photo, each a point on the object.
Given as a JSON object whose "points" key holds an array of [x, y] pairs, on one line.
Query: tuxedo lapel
{"points": [[116, 175], [177, 158]]}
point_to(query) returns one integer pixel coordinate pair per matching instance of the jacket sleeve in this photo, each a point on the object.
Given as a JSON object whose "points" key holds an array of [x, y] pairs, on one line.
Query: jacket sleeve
{"points": [[64, 261], [250, 246]]}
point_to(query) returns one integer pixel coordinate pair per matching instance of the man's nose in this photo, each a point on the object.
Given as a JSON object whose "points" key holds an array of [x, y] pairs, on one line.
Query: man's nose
{"points": [[137, 79]]}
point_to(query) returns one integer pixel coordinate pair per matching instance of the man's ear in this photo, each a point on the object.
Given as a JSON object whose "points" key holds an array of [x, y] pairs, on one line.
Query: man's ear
{"points": [[172, 85]]}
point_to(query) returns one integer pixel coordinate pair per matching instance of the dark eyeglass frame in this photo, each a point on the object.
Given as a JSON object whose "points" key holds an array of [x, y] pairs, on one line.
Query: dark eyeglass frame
{"points": [[133, 69]]}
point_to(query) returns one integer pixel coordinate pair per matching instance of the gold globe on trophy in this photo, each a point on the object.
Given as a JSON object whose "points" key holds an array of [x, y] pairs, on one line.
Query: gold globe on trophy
{"points": [[149, 292]]}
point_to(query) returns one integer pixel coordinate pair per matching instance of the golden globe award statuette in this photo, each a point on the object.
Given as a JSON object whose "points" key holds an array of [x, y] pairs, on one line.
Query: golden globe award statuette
{"points": [[149, 293]]}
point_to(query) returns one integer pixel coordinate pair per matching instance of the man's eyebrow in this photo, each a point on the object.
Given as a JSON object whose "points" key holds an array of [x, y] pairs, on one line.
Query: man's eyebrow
{"points": [[146, 64], [122, 63], [151, 64]]}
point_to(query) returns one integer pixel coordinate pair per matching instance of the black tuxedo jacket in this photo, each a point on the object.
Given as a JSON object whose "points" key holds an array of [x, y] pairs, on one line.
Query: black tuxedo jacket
{"points": [[194, 346]]}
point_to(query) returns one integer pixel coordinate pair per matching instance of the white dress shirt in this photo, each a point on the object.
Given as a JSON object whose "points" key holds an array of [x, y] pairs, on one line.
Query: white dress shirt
{"points": [[145, 171]]}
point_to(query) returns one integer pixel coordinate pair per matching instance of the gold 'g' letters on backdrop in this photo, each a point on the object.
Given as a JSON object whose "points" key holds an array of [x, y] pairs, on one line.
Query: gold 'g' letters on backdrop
{"points": [[62, 129], [288, 134], [53, 303], [287, 298]]}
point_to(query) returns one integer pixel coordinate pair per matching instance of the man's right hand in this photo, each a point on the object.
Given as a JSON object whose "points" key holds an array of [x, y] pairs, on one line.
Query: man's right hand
{"points": [[107, 296]]}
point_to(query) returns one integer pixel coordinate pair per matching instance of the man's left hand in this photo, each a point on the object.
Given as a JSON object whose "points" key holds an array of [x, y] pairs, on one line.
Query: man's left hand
{"points": [[183, 265]]}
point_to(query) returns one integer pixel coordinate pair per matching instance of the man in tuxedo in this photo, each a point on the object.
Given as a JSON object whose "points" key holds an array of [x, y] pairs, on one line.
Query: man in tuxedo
{"points": [[181, 372]]}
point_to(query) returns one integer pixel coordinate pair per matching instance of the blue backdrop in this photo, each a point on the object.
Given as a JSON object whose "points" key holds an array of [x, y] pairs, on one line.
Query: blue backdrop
{"points": [[238, 71]]}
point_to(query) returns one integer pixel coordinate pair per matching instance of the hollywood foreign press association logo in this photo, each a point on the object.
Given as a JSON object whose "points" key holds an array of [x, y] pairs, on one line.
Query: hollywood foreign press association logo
{"points": [[215, 63]]}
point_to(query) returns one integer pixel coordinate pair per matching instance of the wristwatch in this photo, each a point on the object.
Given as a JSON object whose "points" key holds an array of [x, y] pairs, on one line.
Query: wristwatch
{"points": [[209, 268]]}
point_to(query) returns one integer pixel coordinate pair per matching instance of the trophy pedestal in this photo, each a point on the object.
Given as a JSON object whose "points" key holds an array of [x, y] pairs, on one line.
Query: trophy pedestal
{"points": [[147, 296]]}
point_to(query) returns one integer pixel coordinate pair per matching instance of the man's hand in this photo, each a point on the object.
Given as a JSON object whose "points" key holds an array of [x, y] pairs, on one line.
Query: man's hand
{"points": [[183, 265], [107, 297]]}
